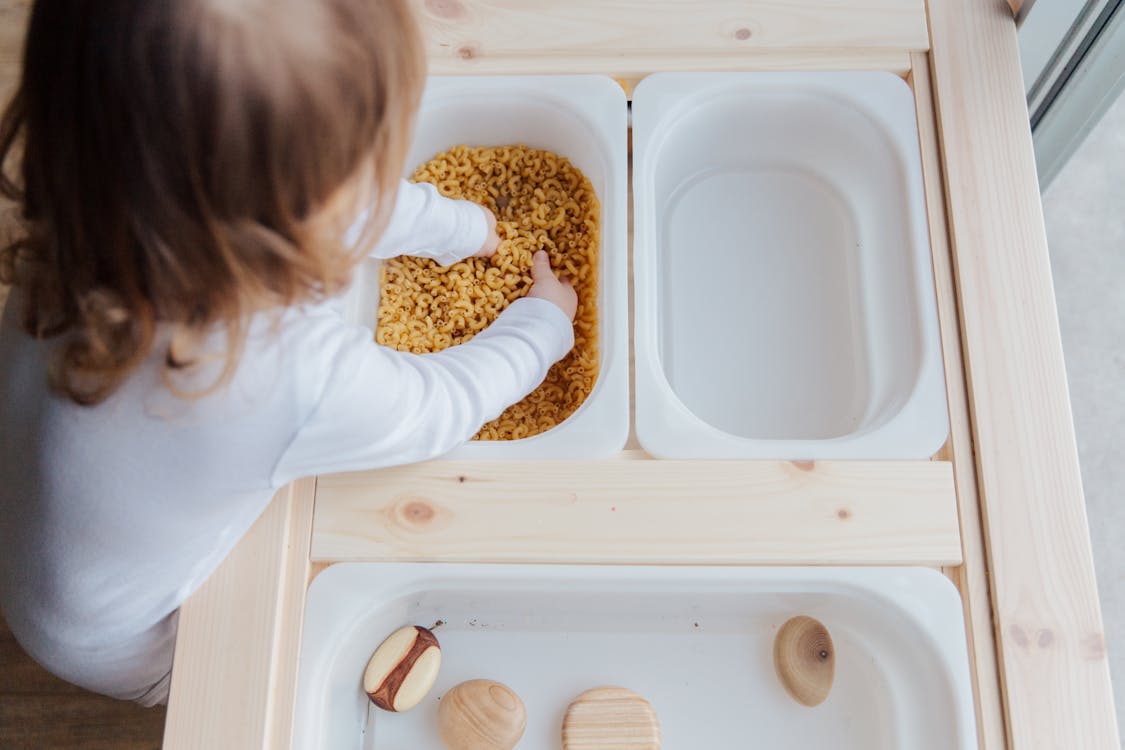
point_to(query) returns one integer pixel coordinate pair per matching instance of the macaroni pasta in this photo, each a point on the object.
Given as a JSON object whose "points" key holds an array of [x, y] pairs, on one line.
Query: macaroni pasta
{"points": [[541, 201]]}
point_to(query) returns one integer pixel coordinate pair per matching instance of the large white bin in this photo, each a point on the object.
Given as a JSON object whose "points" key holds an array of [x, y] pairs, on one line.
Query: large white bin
{"points": [[784, 290], [583, 118], [697, 642]]}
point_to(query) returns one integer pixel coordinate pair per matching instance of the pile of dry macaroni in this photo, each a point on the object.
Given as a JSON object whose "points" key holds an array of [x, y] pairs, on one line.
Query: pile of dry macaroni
{"points": [[541, 201]]}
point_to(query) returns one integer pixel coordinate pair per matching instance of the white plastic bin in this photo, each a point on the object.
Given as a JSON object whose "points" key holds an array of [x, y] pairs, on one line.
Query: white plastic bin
{"points": [[696, 642], [784, 289], [583, 118]]}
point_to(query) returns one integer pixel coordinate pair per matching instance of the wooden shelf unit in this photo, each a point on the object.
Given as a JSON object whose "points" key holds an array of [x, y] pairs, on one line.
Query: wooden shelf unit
{"points": [[1000, 510]]}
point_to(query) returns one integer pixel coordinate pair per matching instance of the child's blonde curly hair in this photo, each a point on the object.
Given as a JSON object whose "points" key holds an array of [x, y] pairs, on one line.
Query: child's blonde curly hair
{"points": [[169, 159]]}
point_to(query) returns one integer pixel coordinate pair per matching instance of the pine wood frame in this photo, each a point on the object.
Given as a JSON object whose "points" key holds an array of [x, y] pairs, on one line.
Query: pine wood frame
{"points": [[1000, 510]]}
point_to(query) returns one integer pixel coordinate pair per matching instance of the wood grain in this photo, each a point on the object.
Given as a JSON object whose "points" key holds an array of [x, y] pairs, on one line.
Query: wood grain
{"points": [[290, 616], [481, 715], [38, 710], [971, 578], [629, 38], [630, 70], [83, 721], [1052, 645], [610, 718], [642, 512], [234, 675], [13, 25], [804, 659]]}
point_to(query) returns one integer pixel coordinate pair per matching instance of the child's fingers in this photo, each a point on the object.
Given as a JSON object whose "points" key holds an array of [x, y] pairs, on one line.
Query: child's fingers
{"points": [[541, 266], [551, 288]]}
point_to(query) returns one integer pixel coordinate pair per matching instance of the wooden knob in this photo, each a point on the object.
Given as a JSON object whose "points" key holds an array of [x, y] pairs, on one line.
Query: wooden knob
{"points": [[481, 715], [610, 718], [805, 660], [403, 669]]}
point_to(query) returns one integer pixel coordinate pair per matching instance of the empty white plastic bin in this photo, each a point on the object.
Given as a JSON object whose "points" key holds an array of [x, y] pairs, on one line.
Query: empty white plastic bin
{"points": [[695, 641], [585, 119], [784, 288]]}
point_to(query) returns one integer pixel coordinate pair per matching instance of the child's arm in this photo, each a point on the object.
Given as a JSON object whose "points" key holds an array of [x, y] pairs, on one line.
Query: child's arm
{"points": [[378, 407], [426, 224]]}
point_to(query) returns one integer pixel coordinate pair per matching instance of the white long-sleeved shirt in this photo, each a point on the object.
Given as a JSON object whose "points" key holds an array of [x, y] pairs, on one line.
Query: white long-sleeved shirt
{"points": [[110, 516]]}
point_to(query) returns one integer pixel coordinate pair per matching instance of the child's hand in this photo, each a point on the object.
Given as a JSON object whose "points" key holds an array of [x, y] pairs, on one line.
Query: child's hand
{"points": [[545, 285], [491, 240]]}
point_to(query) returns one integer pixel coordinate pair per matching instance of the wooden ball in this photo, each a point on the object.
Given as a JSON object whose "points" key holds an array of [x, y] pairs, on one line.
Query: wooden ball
{"points": [[403, 669], [481, 715], [610, 718], [805, 660]]}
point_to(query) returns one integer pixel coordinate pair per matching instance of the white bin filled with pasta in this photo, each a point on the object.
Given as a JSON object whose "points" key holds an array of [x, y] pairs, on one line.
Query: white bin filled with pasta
{"points": [[549, 157]]}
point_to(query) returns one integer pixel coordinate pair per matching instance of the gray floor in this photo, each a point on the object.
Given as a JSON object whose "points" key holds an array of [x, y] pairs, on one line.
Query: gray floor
{"points": [[1085, 211]]}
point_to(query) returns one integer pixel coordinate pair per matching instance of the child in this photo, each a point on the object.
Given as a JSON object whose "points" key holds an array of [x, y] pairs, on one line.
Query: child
{"points": [[189, 176]]}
